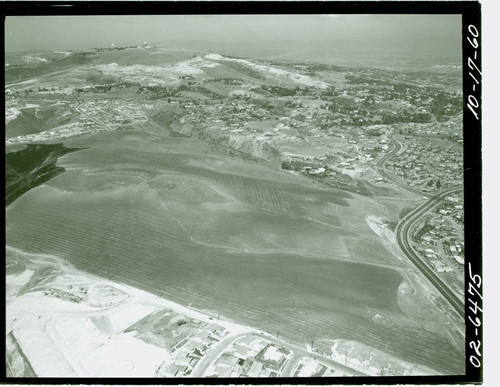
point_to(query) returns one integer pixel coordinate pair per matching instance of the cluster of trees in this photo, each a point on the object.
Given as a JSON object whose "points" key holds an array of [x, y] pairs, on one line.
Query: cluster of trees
{"points": [[297, 165], [442, 105], [343, 105], [160, 91], [226, 81], [376, 132], [326, 93], [445, 104], [363, 80], [293, 104], [434, 182], [405, 116], [104, 49], [277, 107], [403, 87], [424, 230], [101, 88], [196, 88], [315, 67], [280, 91], [156, 89], [105, 88]]}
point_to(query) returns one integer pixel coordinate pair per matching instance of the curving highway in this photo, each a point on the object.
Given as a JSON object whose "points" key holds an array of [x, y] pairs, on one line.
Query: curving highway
{"points": [[381, 167], [381, 163], [403, 236]]}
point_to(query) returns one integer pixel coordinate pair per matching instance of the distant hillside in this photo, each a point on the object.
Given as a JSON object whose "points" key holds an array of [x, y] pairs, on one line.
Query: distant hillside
{"points": [[21, 72], [24, 66], [36, 120], [142, 56], [160, 67]]}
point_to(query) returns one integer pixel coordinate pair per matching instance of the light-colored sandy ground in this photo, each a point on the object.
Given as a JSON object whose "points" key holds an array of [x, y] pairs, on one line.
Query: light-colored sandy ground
{"points": [[59, 337], [89, 338]]}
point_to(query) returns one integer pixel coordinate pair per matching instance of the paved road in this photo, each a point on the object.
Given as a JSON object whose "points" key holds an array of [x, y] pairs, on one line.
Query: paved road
{"points": [[298, 352], [381, 167], [96, 120], [215, 352], [387, 156], [403, 236]]}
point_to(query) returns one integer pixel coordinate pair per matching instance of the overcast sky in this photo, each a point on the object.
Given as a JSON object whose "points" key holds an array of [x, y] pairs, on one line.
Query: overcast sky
{"points": [[78, 32]]}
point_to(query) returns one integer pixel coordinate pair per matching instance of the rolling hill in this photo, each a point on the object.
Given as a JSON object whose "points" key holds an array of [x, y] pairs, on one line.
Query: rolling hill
{"points": [[161, 212]]}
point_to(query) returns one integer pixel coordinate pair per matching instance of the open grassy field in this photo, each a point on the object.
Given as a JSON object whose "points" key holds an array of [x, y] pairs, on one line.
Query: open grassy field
{"points": [[263, 246]]}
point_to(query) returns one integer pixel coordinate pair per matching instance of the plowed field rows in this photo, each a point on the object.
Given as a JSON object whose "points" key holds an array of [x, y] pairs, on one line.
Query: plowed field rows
{"points": [[107, 229], [255, 192], [143, 245], [263, 193], [248, 250]]}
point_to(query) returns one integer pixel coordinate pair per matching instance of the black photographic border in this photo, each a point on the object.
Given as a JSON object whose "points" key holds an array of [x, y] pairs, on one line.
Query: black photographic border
{"points": [[471, 15]]}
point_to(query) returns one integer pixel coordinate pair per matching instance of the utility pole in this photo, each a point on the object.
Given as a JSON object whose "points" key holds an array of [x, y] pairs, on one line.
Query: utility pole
{"points": [[389, 371], [159, 367], [345, 354]]}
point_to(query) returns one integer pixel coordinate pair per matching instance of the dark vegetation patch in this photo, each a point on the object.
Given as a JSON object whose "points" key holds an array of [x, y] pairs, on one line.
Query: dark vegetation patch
{"points": [[30, 167]]}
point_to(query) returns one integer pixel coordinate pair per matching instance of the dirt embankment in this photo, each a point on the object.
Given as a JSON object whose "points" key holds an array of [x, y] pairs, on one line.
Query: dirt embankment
{"points": [[168, 115], [386, 236], [255, 148]]}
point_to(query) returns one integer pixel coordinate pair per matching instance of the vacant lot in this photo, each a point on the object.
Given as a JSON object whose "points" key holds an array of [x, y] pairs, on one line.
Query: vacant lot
{"points": [[258, 247]]}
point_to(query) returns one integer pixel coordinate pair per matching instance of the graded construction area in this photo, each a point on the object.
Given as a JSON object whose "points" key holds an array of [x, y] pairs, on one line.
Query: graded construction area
{"points": [[264, 247]]}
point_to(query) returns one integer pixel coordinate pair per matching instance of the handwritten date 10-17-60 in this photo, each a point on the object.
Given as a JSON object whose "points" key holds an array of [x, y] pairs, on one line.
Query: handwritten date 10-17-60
{"points": [[475, 73]]}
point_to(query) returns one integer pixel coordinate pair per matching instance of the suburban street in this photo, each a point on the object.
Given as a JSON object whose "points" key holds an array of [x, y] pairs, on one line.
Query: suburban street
{"points": [[289, 367], [389, 176]]}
